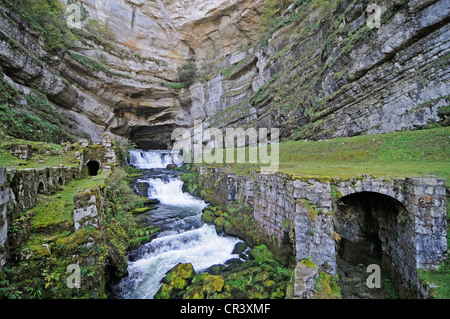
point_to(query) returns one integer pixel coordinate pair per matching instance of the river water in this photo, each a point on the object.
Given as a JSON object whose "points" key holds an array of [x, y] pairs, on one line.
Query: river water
{"points": [[184, 237]]}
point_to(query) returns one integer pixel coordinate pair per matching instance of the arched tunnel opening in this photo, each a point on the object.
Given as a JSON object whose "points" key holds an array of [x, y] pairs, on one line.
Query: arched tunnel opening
{"points": [[41, 188], [370, 226], [93, 168]]}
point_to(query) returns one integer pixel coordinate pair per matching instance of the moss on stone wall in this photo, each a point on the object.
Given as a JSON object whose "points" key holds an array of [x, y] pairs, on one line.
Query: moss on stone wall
{"points": [[51, 244]]}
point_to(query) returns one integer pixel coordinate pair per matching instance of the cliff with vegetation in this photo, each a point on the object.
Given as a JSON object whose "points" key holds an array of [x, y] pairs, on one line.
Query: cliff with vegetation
{"points": [[313, 68], [136, 70]]}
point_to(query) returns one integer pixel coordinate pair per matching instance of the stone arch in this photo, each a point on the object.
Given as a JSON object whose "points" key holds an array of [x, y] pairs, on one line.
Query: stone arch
{"points": [[389, 187], [374, 228], [60, 180], [93, 167], [41, 188]]}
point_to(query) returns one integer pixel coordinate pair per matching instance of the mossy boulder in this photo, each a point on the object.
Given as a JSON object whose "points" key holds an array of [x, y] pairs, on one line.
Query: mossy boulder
{"points": [[262, 276], [219, 222], [326, 287], [180, 271], [204, 286], [239, 248], [176, 281], [262, 255], [208, 217], [165, 292]]}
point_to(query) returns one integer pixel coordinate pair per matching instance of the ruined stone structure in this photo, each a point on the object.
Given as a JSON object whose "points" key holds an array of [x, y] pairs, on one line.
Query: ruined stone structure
{"points": [[19, 189], [405, 216]]}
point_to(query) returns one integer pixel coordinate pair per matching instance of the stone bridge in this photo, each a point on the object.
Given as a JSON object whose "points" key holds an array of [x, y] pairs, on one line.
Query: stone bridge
{"points": [[398, 223]]}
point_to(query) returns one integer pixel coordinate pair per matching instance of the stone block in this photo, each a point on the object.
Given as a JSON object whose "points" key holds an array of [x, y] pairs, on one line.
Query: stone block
{"points": [[305, 280], [2, 176]]}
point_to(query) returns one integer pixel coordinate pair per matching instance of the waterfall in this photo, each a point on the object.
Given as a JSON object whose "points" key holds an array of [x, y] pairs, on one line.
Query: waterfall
{"points": [[153, 159], [184, 237]]}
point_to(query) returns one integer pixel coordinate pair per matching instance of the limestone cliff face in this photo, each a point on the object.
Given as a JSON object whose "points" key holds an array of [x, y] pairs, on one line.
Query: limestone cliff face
{"points": [[326, 74], [323, 73], [129, 96]]}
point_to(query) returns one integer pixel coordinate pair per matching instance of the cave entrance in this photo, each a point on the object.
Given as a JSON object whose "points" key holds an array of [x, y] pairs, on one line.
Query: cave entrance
{"points": [[41, 188], [93, 168], [369, 226]]}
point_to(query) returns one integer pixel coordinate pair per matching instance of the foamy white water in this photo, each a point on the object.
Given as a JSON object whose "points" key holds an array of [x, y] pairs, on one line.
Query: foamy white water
{"points": [[153, 159], [169, 191], [184, 239]]}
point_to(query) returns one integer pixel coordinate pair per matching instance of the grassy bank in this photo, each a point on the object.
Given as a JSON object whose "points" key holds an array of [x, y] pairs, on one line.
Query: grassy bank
{"points": [[402, 154]]}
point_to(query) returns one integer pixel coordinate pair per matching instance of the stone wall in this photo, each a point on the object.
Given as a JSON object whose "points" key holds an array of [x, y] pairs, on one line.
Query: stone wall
{"points": [[19, 190], [4, 199], [304, 213], [88, 208]]}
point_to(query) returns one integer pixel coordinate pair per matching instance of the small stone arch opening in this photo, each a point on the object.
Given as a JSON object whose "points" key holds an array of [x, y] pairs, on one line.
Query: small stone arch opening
{"points": [[93, 168], [372, 228], [41, 188], [60, 181]]}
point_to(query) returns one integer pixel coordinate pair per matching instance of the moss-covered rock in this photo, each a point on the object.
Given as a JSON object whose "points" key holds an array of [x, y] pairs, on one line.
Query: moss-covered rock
{"points": [[327, 287], [208, 217], [180, 271], [164, 292], [262, 255], [176, 281], [204, 286], [219, 222]]}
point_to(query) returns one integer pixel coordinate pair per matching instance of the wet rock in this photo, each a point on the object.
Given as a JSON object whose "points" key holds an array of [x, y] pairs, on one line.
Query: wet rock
{"points": [[239, 248], [216, 269], [208, 217], [204, 285], [176, 281]]}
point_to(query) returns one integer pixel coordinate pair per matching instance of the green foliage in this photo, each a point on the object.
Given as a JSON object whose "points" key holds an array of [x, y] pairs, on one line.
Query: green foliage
{"points": [[272, 11], [192, 181], [123, 148], [94, 65], [187, 73], [270, 15], [35, 120], [46, 17]]}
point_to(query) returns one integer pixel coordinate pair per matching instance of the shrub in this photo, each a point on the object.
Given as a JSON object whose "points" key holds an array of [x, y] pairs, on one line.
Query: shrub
{"points": [[187, 73]]}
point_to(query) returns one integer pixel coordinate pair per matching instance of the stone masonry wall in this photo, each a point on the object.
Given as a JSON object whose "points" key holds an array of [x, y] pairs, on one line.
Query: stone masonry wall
{"points": [[304, 209], [4, 199], [18, 193]]}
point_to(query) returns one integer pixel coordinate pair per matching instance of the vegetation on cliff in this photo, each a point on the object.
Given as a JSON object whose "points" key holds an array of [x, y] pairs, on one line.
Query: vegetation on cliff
{"points": [[31, 117]]}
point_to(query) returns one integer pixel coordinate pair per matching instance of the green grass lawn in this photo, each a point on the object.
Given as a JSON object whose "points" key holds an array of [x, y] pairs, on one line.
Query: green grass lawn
{"points": [[43, 155], [51, 211], [402, 154]]}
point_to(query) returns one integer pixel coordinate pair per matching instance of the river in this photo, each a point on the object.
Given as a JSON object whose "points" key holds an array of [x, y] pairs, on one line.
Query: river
{"points": [[184, 238]]}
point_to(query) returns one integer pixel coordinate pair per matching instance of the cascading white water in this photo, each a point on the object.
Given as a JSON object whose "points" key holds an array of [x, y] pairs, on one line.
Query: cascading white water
{"points": [[153, 159], [184, 239], [169, 192]]}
